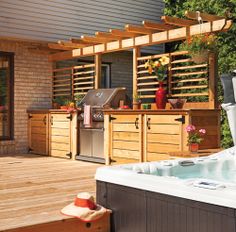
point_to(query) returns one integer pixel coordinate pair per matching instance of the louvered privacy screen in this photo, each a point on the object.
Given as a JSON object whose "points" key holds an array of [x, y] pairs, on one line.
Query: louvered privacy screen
{"points": [[73, 81], [185, 78]]}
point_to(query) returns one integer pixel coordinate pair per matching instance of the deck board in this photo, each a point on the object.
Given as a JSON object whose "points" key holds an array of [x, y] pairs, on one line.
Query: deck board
{"points": [[33, 189]]}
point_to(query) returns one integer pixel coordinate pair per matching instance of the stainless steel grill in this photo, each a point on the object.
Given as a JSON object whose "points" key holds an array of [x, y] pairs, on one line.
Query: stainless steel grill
{"points": [[92, 138]]}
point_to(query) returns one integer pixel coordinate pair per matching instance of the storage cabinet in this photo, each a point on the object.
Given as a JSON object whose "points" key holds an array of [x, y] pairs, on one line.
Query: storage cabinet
{"points": [[126, 136], [38, 133], [53, 132], [152, 135], [63, 134], [162, 134]]}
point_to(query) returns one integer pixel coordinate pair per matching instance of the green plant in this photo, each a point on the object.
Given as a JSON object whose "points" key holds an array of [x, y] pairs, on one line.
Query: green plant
{"points": [[137, 97], [78, 98], [159, 67], [60, 100], [225, 42], [195, 136], [199, 43]]}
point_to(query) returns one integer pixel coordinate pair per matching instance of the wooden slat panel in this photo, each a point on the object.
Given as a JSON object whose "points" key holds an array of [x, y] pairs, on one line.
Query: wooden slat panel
{"points": [[147, 90], [191, 87], [59, 131], [83, 88], [59, 138], [164, 119], [190, 67], [146, 77], [39, 130], [181, 61], [61, 146], [60, 117], [57, 153], [163, 138], [61, 94], [189, 80], [59, 85], [125, 136], [62, 75], [37, 117], [84, 66], [82, 73], [59, 124], [40, 123], [160, 147], [63, 80], [151, 156], [189, 94], [163, 129], [134, 146], [83, 78], [189, 74], [148, 83], [148, 96], [38, 137], [83, 83], [124, 118], [126, 153], [124, 127], [61, 90]]}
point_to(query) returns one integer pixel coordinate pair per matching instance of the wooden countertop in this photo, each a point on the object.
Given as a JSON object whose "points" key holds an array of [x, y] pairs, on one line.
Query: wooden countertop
{"points": [[45, 111], [149, 111]]}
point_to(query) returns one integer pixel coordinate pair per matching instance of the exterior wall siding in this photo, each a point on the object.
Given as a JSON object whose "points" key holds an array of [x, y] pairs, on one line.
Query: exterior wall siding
{"points": [[60, 20], [33, 87]]}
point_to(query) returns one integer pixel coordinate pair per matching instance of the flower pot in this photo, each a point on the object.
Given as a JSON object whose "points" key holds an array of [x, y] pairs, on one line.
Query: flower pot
{"points": [[201, 57], [161, 97], [193, 147], [136, 105], [64, 107]]}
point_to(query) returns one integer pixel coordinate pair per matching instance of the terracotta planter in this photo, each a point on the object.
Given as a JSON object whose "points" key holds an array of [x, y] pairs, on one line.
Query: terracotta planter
{"points": [[161, 97], [201, 57], [136, 105], [64, 107], [194, 147]]}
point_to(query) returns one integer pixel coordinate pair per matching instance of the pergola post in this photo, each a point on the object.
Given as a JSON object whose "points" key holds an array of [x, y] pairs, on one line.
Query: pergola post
{"points": [[136, 54], [98, 70], [213, 79]]}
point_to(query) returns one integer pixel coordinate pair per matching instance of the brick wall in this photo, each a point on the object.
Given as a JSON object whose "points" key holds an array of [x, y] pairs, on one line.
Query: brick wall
{"points": [[32, 89]]}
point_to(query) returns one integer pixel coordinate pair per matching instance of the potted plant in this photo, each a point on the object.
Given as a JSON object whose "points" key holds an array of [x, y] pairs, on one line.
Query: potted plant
{"points": [[195, 137], [78, 99], [136, 102], [58, 102], [199, 47], [159, 68]]}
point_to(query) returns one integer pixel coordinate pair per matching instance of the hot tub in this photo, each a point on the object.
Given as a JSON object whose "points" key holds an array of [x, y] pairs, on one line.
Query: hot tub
{"points": [[193, 195]]}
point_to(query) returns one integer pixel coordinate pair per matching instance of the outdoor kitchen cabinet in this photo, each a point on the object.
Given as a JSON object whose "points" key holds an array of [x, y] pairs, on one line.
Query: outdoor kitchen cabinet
{"points": [[53, 132], [151, 135], [38, 132], [63, 134], [126, 136]]}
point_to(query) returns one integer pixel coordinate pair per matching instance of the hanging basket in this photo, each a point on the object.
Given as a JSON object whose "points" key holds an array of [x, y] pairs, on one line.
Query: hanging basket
{"points": [[201, 57]]}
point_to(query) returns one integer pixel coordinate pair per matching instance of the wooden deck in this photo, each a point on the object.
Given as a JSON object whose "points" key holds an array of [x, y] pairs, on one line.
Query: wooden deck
{"points": [[33, 189]]}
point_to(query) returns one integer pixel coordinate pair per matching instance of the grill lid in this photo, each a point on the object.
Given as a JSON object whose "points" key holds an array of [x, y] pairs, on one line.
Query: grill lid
{"points": [[101, 97]]}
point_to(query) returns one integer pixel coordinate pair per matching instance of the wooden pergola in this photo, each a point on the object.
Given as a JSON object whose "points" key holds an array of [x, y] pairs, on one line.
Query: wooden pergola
{"points": [[134, 37]]}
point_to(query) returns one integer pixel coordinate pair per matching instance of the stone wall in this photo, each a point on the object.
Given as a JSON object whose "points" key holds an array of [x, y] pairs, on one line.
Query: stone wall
{"points": [[33, 86]]}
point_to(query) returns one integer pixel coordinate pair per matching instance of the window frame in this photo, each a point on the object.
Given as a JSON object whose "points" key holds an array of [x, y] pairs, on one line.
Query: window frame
{"points": [[10, 55]]}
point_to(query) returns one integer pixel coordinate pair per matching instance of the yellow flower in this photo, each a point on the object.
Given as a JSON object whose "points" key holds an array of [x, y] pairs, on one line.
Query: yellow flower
{"points": [[156, 63], [146, 64], [164, 60]]}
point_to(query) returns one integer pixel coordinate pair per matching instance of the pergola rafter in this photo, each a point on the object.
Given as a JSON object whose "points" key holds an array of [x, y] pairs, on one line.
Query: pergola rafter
{"points": [[149, 33]]}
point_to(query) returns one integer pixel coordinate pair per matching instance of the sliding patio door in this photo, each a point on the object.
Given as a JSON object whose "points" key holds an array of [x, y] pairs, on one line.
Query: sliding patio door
{"points": [[6, 96]]}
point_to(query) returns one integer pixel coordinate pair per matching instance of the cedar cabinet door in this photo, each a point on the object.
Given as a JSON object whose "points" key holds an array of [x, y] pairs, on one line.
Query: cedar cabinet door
{"points": [[38, 134], [162, 134], [126, 137], [60, 135]]}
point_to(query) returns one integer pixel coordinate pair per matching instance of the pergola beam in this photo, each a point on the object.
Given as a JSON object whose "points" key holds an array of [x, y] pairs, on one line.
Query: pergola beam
{"points": [[97, 40], [145, 40], [80, 41], [59, 47], [157, 26], [177, 21], [123, 34], [107, 36], [71, 45], [138, 29], [204, 16]]}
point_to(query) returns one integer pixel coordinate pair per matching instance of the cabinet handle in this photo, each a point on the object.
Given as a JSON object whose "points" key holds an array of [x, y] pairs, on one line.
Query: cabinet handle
{"points": [[45, 120], [148, 123], [136, 123], [51, 120]]}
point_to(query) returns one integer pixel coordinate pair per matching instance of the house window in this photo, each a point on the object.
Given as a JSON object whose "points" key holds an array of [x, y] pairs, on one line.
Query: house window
{"points": [[6, 95], [106, 76]]}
